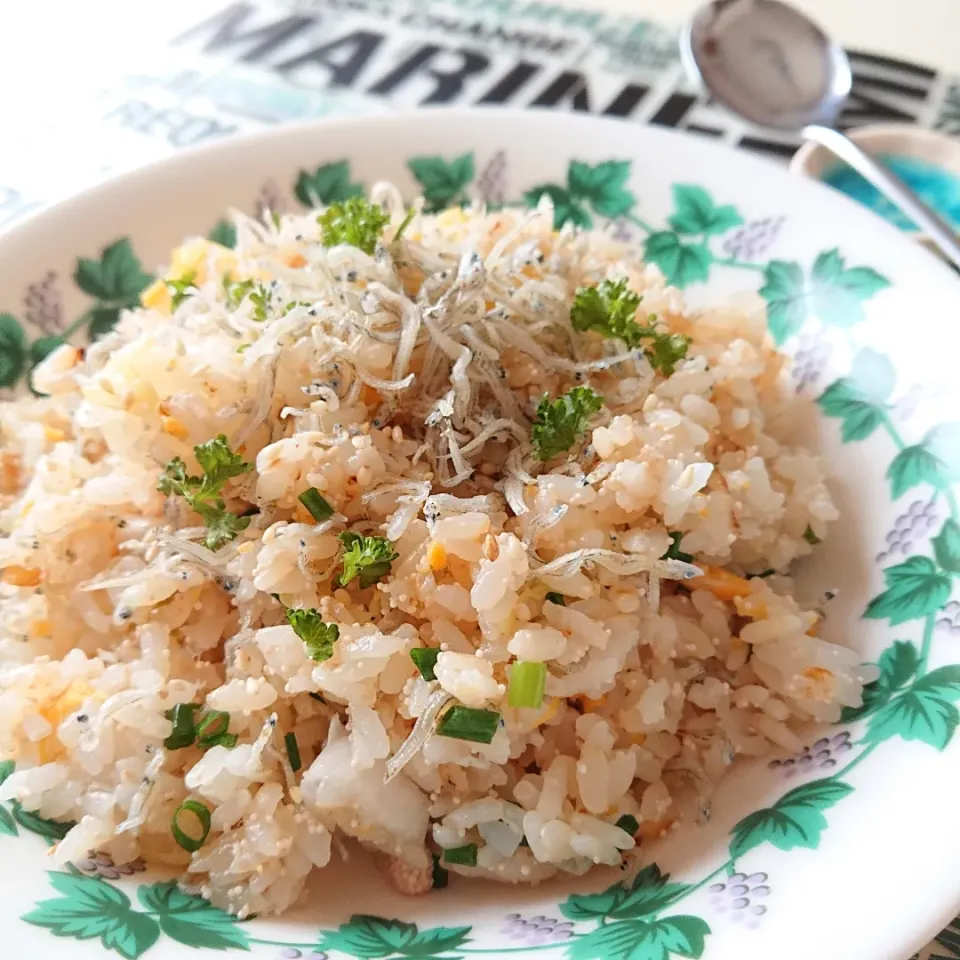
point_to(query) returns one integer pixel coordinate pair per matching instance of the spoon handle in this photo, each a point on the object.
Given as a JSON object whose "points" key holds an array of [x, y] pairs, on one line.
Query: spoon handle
{"points": [[892, 187]]}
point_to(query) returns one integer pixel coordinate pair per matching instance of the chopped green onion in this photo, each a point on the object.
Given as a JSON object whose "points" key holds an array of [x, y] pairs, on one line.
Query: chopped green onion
{"points": [[763, 574], [425, 659], [465, 856], [629, 824], [184, 731], [528, 680], [228, 740], [558, 598], [319, 508], [440, 876], [407, 220], [179, 288], [674, 552], [560, 423], [185, 840], [468, 723], [212, 726], [811, 537], [293, 751]]}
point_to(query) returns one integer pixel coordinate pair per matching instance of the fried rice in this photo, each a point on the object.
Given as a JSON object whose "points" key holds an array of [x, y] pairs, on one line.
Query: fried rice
{"points": [[154, 686]]}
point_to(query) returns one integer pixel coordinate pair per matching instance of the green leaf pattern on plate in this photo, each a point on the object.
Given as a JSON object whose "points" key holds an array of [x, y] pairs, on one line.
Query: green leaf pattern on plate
{"points": [[649, 893], [329, 183], [795, 820], [373, 938], [443, 182], [636, 921], [88, 909]]}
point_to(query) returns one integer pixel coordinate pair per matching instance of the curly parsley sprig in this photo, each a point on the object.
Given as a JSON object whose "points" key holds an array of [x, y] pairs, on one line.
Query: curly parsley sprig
{"points": [[368, 558], [318, 637], [355, 222], [204, 494], [560, 423], [610, 309]]}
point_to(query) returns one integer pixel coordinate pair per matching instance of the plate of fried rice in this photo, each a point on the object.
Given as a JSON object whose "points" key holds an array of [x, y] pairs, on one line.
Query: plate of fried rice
{"points": [[476, 534]]}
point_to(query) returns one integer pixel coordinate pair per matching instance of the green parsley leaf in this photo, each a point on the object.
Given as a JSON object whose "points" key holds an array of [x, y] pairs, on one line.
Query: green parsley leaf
{"points": [[319, 508], [203, 494], [425, 659], [259, 296], [355, 222], [222, 526], [557, 598], [609, 308], [811, 537], [178, 288], [407, 220], [674, 552], [368, 558], [219, 463], [666, 351], [560, 423], [318, 637]]}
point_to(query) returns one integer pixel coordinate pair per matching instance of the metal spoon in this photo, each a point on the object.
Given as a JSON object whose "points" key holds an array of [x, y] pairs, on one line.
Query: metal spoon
{"points": [[773, 66]]}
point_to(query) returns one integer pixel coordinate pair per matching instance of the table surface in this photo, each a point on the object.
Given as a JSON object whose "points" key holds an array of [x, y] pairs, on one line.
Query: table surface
{"points": [[927, 34], [88, 38]]}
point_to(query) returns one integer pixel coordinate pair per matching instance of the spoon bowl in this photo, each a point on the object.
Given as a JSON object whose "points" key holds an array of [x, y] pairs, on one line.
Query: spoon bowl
{"points": [[767, 62], [772, 65]]}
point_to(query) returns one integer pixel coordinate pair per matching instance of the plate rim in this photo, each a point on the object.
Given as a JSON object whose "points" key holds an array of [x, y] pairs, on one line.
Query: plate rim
{"points": [[216, 152]]}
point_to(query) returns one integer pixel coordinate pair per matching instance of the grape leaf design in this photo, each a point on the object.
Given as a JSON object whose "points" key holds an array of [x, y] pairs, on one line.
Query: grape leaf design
{"points": [[946, 546], [911, 467], [915, 588], [925, 711], [649, 893], [602, 185], [372, 938], [683, 936], [89, 909], [795, 820], [601, 188], [8, 827], [858, 400], [192, 920], [697, 214], [444, 182], [116, 277], [224, 233], [13, 350], [115, 281], [783, 289], [833, 292], [934, 460], [53, 831], [943, 442], [897, 665], [329, 183], [566, 209], [838, 292], [681, 263]]}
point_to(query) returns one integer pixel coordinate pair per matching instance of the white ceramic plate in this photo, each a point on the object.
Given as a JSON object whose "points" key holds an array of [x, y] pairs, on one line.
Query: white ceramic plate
{"points": [[847, 850]]}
